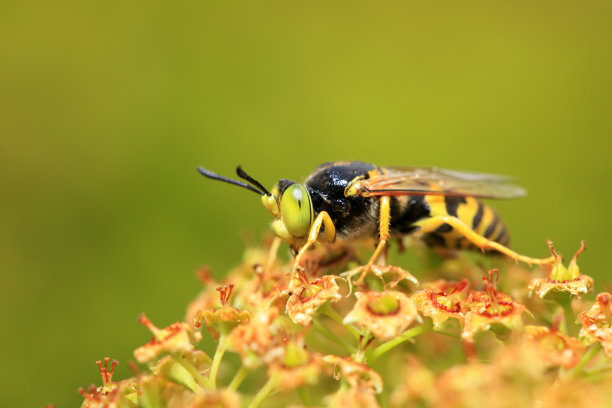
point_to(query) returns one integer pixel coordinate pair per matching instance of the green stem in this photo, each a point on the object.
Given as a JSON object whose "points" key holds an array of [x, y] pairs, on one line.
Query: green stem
{"points": [[598, 374], [586, 357], [600, 370], [335, 316], [214, 368], [328, 334], [149, 397], [449, 334], [238, 378], [407, 335], [203, 381], [361, 354], [304, 396], [263, 392], [569, 317], [382, 400]]}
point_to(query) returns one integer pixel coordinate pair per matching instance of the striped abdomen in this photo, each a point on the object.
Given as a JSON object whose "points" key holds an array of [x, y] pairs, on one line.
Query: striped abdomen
{"points": [[473, 212]]}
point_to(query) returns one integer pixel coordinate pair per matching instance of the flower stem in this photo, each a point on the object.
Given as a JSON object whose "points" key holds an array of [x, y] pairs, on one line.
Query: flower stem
{"points": [[328, 334], [335, 316], [586, 357], [449, 334], [149, 398], [407, 335], [238, 378], [263, 392], [214, 368], [569, 317], [599, 374], [203, 381], [304, 396]]}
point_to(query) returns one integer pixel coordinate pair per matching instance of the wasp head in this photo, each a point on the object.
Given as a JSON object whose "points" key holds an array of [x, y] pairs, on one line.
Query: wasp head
{"points": [[288, 201]]}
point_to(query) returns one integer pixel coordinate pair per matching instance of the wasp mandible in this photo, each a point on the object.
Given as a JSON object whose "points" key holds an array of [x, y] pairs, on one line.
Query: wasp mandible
{"points": [[349, 200]]}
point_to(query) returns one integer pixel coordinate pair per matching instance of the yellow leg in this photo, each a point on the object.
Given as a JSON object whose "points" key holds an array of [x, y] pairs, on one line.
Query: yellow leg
{"points": [[431, 224], [273, 252], [383, 229], [383, 232], [330, 232]]}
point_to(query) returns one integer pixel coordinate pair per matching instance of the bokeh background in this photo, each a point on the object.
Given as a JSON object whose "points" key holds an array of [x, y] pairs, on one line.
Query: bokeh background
{"points": [[107, 107]]}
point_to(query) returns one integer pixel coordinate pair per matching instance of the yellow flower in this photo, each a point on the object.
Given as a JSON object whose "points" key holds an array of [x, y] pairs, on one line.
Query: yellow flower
{"points": [[223, 319], [206, 299], [223, 398], [386, 314], [491, 308], [309, 296], [110, 394], [356, 374], [442, 301], [296, 367], [562, 279], [418, 385], [263, 338], [169, 368], [177, 338], [557, 349], [359, 397], [597, 323]]}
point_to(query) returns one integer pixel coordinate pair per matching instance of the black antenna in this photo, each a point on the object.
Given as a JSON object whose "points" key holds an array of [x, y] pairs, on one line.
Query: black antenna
{"points": [[242, 174], [215, 176]]}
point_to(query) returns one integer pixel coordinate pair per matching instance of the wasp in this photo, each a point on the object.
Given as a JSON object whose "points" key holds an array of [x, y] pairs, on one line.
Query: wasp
{"points": [[351, 200]]}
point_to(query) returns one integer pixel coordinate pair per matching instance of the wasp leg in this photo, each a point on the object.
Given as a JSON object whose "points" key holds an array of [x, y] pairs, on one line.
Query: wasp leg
{"points": [[273, 252], [330, 232], [431, 224], [383, 232]]}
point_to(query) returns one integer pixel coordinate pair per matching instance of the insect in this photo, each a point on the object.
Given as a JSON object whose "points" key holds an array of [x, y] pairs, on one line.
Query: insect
{"points": [[349, 200]]}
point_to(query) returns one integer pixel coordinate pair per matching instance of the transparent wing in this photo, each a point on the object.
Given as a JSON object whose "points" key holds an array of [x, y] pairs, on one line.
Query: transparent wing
{"points": [[436, 181]]}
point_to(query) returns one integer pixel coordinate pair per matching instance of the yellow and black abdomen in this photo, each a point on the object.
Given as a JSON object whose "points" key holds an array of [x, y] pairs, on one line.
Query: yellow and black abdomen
{"points": [[472, 212]]}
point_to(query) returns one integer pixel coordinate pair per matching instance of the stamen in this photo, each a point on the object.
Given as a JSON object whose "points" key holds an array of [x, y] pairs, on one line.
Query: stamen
{"points": [[142, 319], [225, 292]]}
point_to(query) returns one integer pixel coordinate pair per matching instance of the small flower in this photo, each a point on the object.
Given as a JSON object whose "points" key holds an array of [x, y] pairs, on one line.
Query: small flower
{"points": [[169, 368], [263, 338], [491, 308], [179, 337], [324, 259], [562, 279], [359, 397], [398, 273], [418, 385], [386, 314], [470, 385], [222, 398], [356, 374], [597, 323], [309, 296], [206, 299], [223, 319], [442, 301], [110, 394], [297, 366], [266, 286], [557, 349]]}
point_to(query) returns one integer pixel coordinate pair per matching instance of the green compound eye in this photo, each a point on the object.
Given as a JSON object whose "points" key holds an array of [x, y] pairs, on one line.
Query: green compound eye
{"points": [[296, 209]]}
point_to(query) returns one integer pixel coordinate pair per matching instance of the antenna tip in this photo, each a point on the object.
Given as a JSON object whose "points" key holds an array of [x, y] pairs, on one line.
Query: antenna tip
{"points": [[204, 172]]}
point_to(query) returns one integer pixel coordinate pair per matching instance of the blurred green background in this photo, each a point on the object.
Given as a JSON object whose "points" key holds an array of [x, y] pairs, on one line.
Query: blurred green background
{"points": [[107, 107]]}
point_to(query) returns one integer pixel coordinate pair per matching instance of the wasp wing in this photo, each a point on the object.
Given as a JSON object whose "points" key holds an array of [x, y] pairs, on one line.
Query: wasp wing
{"points": [[437, 181]]}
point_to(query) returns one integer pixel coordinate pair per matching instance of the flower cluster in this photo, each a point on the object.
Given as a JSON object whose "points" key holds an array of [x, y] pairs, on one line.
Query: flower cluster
{"points": [[305, 338]]}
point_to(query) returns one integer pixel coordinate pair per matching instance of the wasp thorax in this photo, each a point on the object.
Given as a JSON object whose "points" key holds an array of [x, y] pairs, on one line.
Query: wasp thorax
{"points": [[295, 213]]}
